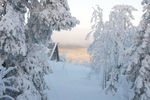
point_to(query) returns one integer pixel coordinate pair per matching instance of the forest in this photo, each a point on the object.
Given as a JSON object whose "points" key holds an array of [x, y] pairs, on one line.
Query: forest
{"points": [[119, 65]]}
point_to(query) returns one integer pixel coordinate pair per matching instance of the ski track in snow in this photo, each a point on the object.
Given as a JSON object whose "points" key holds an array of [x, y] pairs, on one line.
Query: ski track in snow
{"points": [[71, 82]]}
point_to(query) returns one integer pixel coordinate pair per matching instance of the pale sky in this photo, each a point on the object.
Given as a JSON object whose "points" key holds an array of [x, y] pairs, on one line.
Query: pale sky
{"points": [[82, 10]]}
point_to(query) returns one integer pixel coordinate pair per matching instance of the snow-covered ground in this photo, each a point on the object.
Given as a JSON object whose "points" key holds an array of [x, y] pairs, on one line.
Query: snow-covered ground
{"points": [[71, 82]]}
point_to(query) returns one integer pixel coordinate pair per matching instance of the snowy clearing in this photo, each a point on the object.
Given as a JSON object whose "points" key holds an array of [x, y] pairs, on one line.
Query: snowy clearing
{"points": [[71, 82]]}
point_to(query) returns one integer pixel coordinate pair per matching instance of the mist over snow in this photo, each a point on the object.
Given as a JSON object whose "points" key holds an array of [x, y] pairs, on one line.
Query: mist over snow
{"points": [[72, 39]]}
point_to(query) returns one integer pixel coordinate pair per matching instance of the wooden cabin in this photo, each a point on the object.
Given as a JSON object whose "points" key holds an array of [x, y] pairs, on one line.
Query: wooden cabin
{"points": [[53, 51]]}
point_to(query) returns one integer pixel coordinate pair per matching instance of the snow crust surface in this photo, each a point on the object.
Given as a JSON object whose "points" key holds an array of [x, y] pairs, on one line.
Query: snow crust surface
{"points": [[71, 82]]}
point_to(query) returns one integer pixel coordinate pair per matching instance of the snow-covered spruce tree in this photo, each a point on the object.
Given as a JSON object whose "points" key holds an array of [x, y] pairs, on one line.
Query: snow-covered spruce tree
{"points": [[2, 8], [51, 15], [27, 49], [138, 69], [97, 29], [5, 83], [101, 47], [44, 17], [12, 39], [122, 35], [111, 39]]}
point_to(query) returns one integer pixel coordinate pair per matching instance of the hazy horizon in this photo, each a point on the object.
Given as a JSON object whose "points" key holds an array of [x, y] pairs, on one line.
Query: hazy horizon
{"points": [[73, 38]]}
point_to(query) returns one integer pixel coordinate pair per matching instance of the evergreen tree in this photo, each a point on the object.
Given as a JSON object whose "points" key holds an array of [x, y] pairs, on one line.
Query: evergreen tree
{"points": [[138, 69], [12, 40], [24, 43], [5, 83], [111, 40], [122, 34]]}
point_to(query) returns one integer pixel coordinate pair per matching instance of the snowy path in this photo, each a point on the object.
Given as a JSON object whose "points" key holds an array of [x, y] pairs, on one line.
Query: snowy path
{"points": [[70, 82]]}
